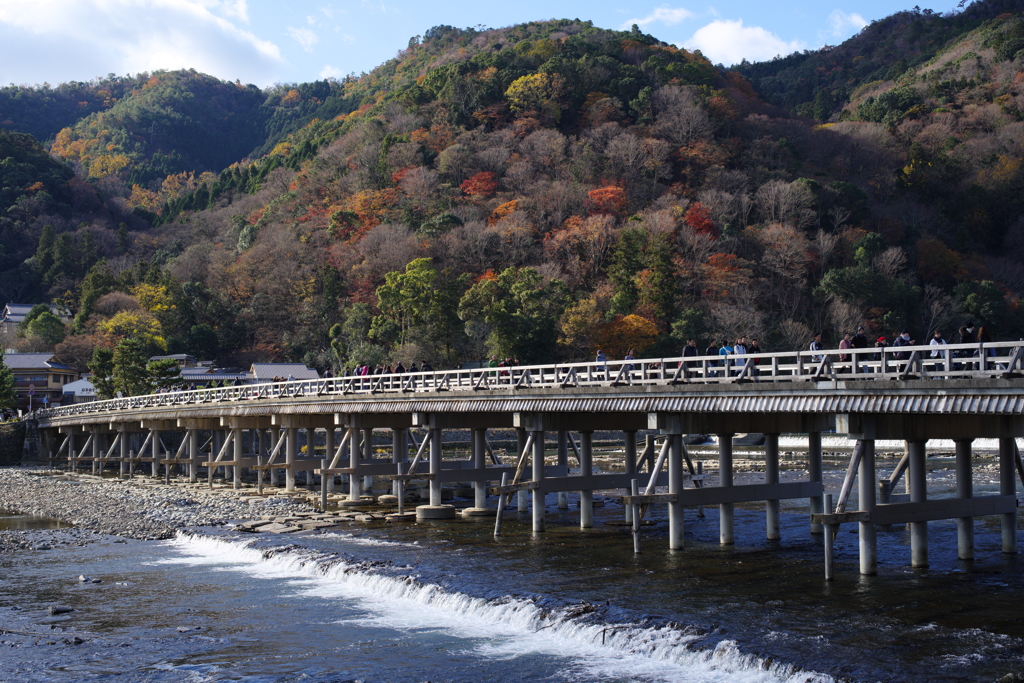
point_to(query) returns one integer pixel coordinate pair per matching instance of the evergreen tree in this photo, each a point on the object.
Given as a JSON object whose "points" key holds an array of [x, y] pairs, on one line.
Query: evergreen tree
{"points": [[8, 397], [130, 375], [102, 368], [164, 374]]}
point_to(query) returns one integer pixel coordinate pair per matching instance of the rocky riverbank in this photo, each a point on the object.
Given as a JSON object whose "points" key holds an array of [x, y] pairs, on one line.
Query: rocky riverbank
{"points": [[141, 509]]}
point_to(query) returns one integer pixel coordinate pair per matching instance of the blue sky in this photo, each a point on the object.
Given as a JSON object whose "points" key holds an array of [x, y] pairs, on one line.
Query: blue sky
{"points": [[290, 41]]}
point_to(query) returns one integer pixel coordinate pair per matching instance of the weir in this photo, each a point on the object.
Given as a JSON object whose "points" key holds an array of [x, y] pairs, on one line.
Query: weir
{"points": [[269, 431]]}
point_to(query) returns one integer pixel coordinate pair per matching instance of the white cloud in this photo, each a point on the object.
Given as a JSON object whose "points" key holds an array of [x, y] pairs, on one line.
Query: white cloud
{"points": [[304, 37], [729, 42], [843, 25], [670, 16], [82, 39], [235, 8], [330, 72]]}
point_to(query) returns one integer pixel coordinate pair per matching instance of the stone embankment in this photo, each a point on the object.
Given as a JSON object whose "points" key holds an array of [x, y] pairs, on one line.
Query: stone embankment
{"points": [[144, 509]]}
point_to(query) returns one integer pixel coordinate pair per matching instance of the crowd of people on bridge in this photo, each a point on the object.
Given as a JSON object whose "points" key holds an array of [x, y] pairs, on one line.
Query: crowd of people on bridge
{"points": [[728, 366]]}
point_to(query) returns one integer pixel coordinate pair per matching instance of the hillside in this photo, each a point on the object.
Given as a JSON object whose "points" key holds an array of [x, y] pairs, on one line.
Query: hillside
{"points": [[544, 189]]}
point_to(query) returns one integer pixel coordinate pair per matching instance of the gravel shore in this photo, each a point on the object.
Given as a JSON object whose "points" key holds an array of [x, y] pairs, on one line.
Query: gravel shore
{"points": [[141, 509]]}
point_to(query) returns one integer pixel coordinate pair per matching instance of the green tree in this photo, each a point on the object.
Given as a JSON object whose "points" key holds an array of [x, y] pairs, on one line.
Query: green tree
{"points": [[98, 281], [48, 327], [420, 303], [522, 312], [202, 342], [130, 375], [8, 397], [102, 368], [627, 261], [44, 252], [33, 313], [164, 374]]}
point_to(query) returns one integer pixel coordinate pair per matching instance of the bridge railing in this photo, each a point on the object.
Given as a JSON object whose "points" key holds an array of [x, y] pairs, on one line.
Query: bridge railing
{"points": [[949, 361]]}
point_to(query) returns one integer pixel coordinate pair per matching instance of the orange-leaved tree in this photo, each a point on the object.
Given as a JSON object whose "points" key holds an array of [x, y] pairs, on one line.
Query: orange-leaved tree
{"points": [[483, 184], [627, 332], [609, 200]]}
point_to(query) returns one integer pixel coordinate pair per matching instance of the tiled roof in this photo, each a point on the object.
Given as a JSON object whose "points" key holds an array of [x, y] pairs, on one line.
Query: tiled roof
{"points": [[268, 371], [33, 361]]}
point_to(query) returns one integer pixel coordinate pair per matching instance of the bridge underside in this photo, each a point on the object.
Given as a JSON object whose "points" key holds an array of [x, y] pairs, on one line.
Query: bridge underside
{"points": [[264, 436]]}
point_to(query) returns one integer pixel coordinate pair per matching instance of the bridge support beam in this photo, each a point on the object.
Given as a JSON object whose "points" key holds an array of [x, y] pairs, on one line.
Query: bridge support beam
{"points": [[1008, 487], [964, 489], [124, 449], [538, 478], [328, 455], [353, 463], [771, 476], [193, 456], [586, 469], [866, 493], [435, 434], [367, 455], [725, 510], [479, 444], [155, 452], [236, 469], [399, 454], [522, 496], [563, 460], [310, 453], [917, 480], [96, 452], [814, 471], [676, 518], [630, 465], [291, 447]]}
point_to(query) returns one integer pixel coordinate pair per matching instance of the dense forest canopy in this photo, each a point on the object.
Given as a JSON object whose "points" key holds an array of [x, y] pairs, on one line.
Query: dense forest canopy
{"points": [[532, 192]]}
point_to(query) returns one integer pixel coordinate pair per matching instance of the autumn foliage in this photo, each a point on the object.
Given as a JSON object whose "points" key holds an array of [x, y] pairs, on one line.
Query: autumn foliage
{"points": [[627, 332], [609, 200], [483, 184]]}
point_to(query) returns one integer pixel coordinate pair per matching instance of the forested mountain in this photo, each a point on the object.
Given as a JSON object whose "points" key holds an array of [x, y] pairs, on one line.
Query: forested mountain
{"points": [[538, 191]]}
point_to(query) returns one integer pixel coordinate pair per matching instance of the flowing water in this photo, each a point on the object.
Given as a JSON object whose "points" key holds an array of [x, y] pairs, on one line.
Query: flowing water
{"points": [[448, 602]]}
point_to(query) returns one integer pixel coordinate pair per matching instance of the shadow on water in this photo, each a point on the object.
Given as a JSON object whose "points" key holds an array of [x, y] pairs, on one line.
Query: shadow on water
{"points": [[14, 521]]}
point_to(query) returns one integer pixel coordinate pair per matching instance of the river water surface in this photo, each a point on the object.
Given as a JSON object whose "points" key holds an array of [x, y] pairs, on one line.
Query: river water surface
{"points": [[448, 602]]}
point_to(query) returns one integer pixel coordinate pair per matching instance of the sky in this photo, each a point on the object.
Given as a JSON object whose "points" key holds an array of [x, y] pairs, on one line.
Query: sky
{"points": [[269, 42]]}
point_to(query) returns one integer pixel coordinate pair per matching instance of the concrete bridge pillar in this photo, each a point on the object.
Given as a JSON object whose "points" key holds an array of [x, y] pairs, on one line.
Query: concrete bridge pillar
{"points": [[291, 447], [964, 489], [274, 437], [630, 465], [155, 452], [917, 480], [586, 469], [479, 444], [725, 510], [329, 455], [310, 453], [368, 455], [435, 434], [538, 477], [771, 476], [96, 452], [353, 463], [399, 453], [236, 469], [521, 496], [1008, 487], [563, 461], [193, 456], [123, 443], [866, 493], [676, 517], [814, 474]]}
